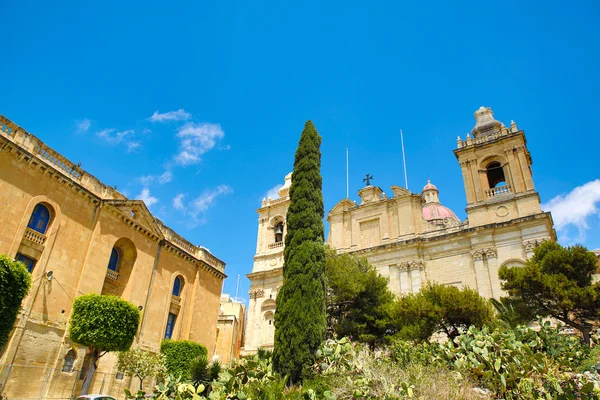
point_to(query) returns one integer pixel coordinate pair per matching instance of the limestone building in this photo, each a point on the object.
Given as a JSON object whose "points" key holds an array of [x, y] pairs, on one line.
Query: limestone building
{"points": [[77, 236], [412, 238], [230, 330]]}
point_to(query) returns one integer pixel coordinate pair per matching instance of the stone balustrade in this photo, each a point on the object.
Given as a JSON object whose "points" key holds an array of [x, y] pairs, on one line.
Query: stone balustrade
{"points": [[7, 127], [34, 236], [469, 141], [275, 245], [52, 157], [112, 275], [199, 252], [498, 191], [30, 143]]}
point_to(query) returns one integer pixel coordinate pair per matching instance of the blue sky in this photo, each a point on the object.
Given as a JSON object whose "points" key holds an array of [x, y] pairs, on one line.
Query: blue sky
{"points": [[197, 107]]}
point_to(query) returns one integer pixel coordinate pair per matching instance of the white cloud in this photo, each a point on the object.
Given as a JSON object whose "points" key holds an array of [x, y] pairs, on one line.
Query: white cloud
{"points": [[575, 208], [83, 126], [132, 146], [115, 138], [161, 179], [273, 192], [195, 140], [178, 201], [202, 203], [147, 197], [179, 115], [196, 209], [165, 177]]}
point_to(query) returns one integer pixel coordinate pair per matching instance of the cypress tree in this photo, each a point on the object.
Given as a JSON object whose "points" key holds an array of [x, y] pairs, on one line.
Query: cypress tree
{"points": [[300, 322]]}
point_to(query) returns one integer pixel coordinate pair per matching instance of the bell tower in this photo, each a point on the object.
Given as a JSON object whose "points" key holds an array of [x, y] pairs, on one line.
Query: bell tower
{"points": [[496, 169], [267, 273]]}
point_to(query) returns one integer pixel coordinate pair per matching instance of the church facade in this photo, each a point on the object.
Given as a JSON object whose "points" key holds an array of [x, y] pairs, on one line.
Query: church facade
{"points": [[77, 235], [411, 238]]}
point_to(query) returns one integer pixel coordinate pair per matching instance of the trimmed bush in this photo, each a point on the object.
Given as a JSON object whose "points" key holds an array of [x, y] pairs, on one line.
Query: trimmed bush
{"points": [[102, 324], [179, 355], [15, 282]]}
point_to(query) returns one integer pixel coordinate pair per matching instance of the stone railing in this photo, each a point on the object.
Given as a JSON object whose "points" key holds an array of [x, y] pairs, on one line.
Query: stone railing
{"points": [[199, 252], [7, 127], [52, 157], [503, 132], [34, 236], [30, 143], [275, 201], [498, 191], [211, 260], [275, 245], [113, 275]]}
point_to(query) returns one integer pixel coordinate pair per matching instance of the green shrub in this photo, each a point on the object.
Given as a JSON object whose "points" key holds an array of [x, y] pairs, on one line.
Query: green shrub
{"points": [[15, 282], [179, 355]]}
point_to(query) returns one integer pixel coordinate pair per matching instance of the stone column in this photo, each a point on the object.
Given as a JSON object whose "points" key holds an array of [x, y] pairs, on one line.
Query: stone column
{"points": [[529, 246], [479, 193], [515, 172], [415, 276], [481, 273], [491, 256], [525, 168], [405, 284]]}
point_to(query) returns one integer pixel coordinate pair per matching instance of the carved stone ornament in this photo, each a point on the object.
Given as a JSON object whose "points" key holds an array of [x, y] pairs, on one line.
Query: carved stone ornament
{"points": [[256, 293], [412, 265], [477, 254], [487, 252], [531, 244], [491, 252]]}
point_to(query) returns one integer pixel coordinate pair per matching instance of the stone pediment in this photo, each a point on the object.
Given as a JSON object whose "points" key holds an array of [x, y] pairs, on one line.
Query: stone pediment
{"points": [[400, 191], [342, 206], [136, 212]]}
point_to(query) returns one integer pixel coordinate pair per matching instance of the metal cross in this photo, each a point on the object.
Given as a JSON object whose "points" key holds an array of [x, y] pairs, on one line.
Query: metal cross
{"points": [[367, 179]]}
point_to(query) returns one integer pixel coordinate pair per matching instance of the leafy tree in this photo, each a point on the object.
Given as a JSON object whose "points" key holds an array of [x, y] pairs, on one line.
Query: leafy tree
{"points": [[103, 324], [440, 308], [300, 322], [557, 282], [358, 299], [141, 364], [15, 282]]}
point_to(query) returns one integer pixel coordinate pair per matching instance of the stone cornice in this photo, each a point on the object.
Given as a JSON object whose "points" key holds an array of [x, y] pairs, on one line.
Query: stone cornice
{"points": [[270, 273], [419, 240]]}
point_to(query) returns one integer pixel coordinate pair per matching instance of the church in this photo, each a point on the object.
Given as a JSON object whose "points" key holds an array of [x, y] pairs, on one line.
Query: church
{"points": [[411, 238], [77, 235]]}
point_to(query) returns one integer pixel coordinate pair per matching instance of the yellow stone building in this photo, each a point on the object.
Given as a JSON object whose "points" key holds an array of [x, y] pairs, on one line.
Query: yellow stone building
{"points": [[230, 330], [412, 238], [77, 236]]}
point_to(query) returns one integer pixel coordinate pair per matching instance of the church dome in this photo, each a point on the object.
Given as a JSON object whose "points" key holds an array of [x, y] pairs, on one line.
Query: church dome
{"points": [[433, 210]]}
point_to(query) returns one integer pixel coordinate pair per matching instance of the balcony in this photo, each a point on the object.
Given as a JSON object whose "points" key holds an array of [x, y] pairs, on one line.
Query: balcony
{"points": [[498, 191], [34, 236], [112, 275], [275, 245]]}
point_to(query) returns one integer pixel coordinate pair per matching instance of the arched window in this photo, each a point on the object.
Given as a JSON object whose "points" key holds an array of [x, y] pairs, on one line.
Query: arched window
{"points": [[115, 257], [495, 174], [29, 262], [69, 360], [177, 286], [40, 217], [279, 232], [170, 325]]}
